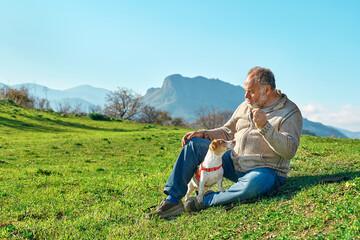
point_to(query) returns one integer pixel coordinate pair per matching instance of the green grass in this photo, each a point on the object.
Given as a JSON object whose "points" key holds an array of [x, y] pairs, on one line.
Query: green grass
{"points": [[75, 178]]}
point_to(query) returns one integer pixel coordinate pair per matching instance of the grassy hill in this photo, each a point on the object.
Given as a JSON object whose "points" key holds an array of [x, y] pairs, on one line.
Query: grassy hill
{"points": [[75, 178]]}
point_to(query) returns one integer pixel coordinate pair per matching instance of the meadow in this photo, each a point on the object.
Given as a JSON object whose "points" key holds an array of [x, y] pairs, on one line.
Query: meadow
{"points": [[69, 177]]}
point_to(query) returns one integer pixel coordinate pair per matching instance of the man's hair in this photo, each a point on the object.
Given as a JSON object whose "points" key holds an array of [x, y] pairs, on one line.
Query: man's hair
{"points": [[263, 75]]}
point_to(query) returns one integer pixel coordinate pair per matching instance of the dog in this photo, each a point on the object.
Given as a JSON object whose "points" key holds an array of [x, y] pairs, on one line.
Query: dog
{"points": [[210, 170]]}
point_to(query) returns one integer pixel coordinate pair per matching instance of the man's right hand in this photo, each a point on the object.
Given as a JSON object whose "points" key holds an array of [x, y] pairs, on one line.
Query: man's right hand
{"points": [[191, 135]]}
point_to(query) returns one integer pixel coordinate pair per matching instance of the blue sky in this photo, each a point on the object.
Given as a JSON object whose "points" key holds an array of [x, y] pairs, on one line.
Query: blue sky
{"points": [[313, 47]]}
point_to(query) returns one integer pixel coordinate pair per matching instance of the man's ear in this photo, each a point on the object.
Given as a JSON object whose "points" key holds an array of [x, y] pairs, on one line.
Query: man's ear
{"points": [[267, 89]]}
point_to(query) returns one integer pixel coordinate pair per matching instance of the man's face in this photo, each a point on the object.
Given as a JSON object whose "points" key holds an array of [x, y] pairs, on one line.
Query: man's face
{"points": [[255, 93]]}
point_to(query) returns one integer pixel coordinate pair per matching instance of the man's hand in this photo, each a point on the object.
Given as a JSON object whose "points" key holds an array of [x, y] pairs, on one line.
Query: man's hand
{"points": [[191, 135], [259, 118]]}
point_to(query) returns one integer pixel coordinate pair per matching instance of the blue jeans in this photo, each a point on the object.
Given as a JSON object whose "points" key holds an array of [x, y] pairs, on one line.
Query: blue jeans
{"points": [[247, 184]]}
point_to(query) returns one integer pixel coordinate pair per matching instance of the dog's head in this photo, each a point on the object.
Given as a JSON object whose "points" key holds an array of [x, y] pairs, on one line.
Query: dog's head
{"points": [[220, 146]]}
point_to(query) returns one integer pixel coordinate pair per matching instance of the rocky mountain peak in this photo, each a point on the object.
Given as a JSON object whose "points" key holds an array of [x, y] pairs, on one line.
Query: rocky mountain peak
{"points": [[183, 96]]}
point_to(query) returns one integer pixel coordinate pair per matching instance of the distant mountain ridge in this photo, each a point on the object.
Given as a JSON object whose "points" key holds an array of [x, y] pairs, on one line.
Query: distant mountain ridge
{"points": [[85, 96], [349, 134], [179, 95], [321, 130]]}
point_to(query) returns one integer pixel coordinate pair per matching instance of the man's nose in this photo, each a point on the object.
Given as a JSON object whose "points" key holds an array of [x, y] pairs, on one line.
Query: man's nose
{"points": [[247, 95]]}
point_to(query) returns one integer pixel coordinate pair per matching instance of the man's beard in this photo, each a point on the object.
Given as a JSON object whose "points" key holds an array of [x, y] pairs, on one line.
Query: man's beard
{"points": [[262, 99]]}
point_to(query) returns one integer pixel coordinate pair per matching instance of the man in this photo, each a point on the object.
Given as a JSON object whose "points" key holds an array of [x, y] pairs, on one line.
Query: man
{"points": [[266, 127]]}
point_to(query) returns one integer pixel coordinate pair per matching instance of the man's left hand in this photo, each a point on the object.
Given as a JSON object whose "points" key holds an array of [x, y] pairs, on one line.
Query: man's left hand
{"points": [[259, 118]]}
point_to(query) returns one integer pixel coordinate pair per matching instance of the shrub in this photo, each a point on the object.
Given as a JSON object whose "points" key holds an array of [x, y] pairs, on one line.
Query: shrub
{"points": [[7, 101], [97, 116], [20, 96], [116, 119]]}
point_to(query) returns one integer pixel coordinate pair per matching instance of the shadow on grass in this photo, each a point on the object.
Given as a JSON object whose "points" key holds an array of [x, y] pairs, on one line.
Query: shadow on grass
{"points": [[25, 126], [76, 125], [20, 125], [294, 185]]}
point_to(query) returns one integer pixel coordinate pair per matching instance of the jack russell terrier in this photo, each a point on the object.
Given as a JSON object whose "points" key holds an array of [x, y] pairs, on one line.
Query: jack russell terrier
{"points": [[210, 170]]}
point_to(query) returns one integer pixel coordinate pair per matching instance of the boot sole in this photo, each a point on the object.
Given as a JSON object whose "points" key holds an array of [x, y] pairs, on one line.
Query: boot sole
{"points": [[174, 213]]}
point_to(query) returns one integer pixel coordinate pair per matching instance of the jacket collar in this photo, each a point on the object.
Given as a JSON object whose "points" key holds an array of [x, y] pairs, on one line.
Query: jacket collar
{"points": [[282, 101]]}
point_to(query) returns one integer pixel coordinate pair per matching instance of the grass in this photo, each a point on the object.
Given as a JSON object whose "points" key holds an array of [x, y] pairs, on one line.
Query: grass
{"points": [[75, 178]]}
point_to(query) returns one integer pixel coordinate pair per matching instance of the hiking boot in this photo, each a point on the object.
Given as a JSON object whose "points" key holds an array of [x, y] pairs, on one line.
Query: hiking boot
{"points": [[167, 209], [192, 205]]}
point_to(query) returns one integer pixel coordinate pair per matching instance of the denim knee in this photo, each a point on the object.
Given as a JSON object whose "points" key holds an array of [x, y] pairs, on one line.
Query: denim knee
{"points": [[249, 185]]}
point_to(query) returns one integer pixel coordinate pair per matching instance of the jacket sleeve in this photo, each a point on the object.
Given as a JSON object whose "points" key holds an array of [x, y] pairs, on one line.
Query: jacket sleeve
{"points": [[285, 142]]}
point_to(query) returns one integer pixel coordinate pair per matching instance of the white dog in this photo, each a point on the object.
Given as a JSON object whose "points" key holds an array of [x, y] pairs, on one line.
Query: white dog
{"points": [[210, 170]]}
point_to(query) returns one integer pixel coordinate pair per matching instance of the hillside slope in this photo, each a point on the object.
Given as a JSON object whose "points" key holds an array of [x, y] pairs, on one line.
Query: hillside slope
{"points": [[67, 177]]}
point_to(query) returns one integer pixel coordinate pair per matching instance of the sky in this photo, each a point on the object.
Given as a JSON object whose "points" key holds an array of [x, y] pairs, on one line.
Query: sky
{"points": [[312, 46]]}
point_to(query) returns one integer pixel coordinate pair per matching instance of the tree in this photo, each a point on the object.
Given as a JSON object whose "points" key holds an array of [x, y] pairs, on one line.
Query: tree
{"points": [[123, 103], [20, 96], [178, 121], [76, 109], [163, 117], [95, 109], [211, 117], [43, 104], [63, 107], [149, 114]]}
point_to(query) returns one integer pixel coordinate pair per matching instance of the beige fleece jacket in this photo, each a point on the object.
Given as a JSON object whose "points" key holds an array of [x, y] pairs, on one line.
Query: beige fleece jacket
{"points": [[272, 147]]}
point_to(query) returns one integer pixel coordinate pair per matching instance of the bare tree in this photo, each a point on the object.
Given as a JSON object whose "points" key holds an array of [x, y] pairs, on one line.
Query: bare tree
{"points": [[178, 121], [206, 117], [211, 117], [63, 108], [95, 109], [20, 96], [43, 104], [77, 109], [163, 118], [123, 103], [3, 92], [148, 114]]}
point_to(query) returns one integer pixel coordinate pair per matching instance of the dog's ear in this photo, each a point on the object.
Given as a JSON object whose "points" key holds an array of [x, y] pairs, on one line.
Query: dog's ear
{"points": [[213, 145]]}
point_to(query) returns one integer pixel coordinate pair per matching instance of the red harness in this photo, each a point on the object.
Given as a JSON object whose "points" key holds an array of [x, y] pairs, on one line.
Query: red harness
{"points": [[198, 173]]}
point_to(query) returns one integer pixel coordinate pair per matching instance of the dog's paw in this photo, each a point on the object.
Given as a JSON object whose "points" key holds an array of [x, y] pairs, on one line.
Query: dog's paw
{"points": [[199, 199]]}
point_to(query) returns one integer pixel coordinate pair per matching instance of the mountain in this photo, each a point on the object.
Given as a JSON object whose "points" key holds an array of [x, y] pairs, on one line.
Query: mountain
{"points": [[322, 130], [182, 96], [86, 97], [96, 96], [349, 134]]}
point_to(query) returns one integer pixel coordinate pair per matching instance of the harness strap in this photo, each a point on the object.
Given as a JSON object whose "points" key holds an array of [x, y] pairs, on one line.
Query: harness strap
{"points": [[198, 173]]}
